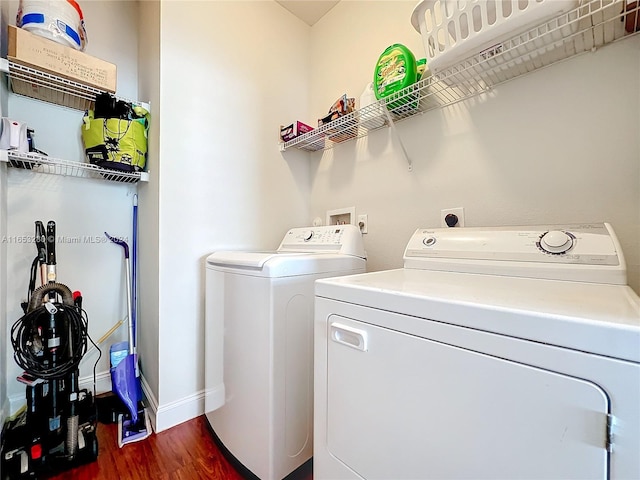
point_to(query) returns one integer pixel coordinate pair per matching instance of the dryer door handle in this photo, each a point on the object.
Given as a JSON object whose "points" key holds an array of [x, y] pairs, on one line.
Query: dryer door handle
{"points": [[349, 336]]}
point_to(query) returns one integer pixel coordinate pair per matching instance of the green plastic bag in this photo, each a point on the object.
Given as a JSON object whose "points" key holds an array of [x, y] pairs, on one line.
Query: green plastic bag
{"points": [[115, 143]]}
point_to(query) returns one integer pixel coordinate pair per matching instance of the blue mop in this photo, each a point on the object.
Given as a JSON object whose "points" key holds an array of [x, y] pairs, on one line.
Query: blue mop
{"points": [[125, 377]]}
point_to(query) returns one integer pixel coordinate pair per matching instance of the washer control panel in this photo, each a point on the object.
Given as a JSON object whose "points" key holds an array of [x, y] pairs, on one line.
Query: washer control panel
{"points": [[556, 242], [519, 250], [343, 239]]}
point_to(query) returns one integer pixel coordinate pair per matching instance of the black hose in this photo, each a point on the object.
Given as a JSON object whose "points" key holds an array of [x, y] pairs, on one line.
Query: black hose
{"points": [[30, 343]]}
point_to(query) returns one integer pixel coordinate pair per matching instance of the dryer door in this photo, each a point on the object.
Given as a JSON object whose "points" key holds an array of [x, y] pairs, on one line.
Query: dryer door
{"points": [[405, 407]]}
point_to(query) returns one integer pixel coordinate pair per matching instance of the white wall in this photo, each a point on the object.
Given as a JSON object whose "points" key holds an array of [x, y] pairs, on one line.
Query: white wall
{"points": [[557, 146], [4, 356], [231, 73], [83, 209], [6, 352], [148, 225]]}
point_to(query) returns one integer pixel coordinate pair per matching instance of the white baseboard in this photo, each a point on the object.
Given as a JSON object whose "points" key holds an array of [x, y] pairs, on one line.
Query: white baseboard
{"points": [[4, 411], [152, 403], [175, 413], [214, 398], [103, 384], [162, 417], [16, 402]]}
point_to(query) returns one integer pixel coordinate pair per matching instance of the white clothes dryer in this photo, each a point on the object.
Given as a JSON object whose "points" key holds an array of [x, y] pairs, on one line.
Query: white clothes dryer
{"points": [[259, 344], [495, 353]]}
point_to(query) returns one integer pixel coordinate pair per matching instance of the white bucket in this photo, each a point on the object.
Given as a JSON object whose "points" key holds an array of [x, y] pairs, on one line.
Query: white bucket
{"points": [[57, 20]]}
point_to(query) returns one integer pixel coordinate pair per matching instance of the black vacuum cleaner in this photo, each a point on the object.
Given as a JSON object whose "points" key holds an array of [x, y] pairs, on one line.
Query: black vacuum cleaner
{"points": [[57, 431]]}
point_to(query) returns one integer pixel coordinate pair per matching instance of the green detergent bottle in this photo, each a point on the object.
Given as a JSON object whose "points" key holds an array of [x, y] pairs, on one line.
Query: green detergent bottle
{"points": [[421, 67], [395, 70]]}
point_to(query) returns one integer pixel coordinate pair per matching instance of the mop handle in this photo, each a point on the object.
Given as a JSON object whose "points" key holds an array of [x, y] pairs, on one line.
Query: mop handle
{"points": [[134, 269], [130, 324], [124, 245]]}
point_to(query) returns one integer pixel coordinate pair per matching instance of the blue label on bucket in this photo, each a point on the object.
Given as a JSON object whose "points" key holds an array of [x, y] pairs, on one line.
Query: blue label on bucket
{"points": [[69, 31], [63, 28], [33, 18]]}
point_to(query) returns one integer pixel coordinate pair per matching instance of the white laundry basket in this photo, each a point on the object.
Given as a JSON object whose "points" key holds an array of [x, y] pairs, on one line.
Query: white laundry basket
{"points": [[453, 30]]}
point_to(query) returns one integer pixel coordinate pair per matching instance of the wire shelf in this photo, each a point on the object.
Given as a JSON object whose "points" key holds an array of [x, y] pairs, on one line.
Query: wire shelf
{"points": [[55, 166], [583, 29], [40, 85], [50, 88]]}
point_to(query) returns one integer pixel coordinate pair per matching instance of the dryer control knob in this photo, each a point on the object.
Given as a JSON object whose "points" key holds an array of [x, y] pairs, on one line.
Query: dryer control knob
{"points": [[556, 241], [308, 235], [429, 241]]}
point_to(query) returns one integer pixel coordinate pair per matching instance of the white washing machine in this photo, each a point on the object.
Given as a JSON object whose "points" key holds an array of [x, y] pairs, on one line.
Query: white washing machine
{"points": [[259, 344], [496, 353]]}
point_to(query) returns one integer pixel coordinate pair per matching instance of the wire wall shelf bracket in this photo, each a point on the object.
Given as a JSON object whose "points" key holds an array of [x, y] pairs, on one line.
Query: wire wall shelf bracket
{"points": [[594, 23], [44, 164]]}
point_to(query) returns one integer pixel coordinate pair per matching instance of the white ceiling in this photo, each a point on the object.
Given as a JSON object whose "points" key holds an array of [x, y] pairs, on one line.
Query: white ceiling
{"points": [[309, 11]]}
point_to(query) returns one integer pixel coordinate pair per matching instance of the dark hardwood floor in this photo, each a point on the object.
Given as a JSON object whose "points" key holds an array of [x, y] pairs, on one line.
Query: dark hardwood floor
{"points": [[184, 452]]}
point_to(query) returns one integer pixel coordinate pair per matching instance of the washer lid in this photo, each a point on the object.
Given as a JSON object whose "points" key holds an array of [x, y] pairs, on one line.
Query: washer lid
{"points": [[598, 318], [240, 259], [302, 251], [284, 264]]}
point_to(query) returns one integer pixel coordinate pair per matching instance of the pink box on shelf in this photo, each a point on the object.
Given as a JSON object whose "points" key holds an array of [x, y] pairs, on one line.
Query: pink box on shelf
{"points": [[294, 130]]}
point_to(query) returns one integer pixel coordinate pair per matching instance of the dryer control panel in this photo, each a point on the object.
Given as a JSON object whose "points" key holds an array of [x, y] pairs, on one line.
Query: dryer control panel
{"points": [[581, 252], [342, 239]]}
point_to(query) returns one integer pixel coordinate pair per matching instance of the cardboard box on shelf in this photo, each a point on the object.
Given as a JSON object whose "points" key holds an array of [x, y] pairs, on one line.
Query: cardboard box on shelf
{"points": [[50, 94], [43, 54]]}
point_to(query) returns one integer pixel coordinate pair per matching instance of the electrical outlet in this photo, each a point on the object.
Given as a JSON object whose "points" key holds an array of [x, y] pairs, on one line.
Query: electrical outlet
{"points": [[363, 223], [459, 214]]}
